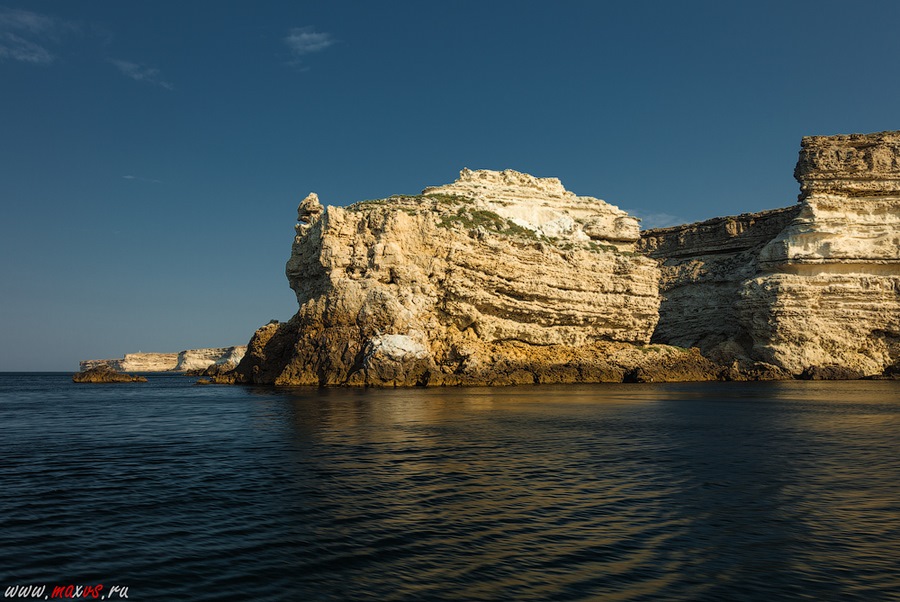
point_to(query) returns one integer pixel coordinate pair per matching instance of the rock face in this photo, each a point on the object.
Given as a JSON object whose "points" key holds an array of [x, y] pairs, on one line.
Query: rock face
{"points": [[201, 359], [105, 374], [166, 362], [498, 278], [816, 285], [136, 362], [703, 267]]}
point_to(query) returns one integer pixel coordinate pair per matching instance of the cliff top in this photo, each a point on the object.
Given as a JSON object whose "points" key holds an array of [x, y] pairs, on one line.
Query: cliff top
{"points": [[851, 165], [539, 206]]}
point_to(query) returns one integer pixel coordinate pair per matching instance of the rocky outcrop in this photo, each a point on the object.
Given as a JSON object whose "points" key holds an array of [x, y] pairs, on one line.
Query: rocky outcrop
{"points": [[805, 288], [498, 278], [105, 374], [201, 359], [830, 288], [167, 362]]}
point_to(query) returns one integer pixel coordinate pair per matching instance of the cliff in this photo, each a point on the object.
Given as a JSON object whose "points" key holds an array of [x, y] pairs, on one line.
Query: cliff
{"points": [[703, 267], [829, 290], [190, 359], [201, 359], [135, 362], [816, 284], [498, 278]]}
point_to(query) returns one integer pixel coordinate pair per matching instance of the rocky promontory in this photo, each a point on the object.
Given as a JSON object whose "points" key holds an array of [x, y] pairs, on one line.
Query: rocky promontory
{"points": [[505, 278], [183, 361], [498, 278]]}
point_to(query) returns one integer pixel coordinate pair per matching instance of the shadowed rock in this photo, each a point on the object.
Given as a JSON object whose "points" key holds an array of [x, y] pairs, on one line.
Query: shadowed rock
{"points": [[105, 374]]}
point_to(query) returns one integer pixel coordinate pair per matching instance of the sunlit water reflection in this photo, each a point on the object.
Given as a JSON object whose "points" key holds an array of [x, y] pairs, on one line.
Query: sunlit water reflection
{"points": [[729, 491]]}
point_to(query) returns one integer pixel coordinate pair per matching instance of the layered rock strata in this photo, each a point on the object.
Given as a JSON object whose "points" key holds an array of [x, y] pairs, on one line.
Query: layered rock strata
{"points": [[703, 267], [135, 362], [829, 291], [814, 285], [498, 278], [202, 359], [190, 359]]}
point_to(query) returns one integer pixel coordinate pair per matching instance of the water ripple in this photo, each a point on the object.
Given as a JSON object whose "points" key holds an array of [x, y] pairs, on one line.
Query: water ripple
{"points": [[640, 492]]}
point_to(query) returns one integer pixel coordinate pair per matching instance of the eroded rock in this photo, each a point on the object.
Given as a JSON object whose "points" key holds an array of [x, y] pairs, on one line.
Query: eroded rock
{"points": [[105, 374], [499, 278], [817, 284]]}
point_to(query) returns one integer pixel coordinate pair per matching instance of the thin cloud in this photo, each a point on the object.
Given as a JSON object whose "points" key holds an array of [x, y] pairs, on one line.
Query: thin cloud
{"points": [[140, 179], [26, 36], [305, 40], [142, 73]]}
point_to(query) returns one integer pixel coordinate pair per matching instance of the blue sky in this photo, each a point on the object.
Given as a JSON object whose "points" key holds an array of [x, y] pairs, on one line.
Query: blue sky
{"points": [[152, 154]]}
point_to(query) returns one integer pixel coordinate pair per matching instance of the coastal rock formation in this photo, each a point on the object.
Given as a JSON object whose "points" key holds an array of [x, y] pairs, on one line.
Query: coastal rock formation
{"points": [[498, 278], [202, 359], [830, 291], [105, 374], [703, 267], [135, 362], [189, 359], [814, 286]]}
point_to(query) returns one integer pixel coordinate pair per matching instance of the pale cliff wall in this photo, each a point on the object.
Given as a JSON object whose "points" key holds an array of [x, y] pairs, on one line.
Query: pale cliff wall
{"points": [[809, 285], [200, 359], [136, 362], [500, 277], [702, 270], [829, 290], [165, 362]]}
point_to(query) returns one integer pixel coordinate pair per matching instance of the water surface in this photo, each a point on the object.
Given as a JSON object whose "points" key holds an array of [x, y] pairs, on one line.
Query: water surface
{"points": [[714, 491]]}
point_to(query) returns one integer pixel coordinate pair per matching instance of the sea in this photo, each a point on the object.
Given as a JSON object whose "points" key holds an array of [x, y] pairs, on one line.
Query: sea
{"points": [[168, 490]]}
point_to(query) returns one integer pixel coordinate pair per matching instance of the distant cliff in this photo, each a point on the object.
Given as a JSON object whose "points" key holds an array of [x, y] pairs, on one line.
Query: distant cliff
{"points": [[816, 284], [190, 359]]}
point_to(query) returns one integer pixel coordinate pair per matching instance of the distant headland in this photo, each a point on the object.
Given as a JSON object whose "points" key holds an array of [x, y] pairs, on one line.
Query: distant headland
{"points": [[183, 361]]}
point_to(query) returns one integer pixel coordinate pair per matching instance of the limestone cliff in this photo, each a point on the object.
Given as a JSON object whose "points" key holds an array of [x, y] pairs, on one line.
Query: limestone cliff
{"points": [[189, 359], [703, 267], [498, 278], [816, 284], [201, 359], [135, 362], [829, 291]]}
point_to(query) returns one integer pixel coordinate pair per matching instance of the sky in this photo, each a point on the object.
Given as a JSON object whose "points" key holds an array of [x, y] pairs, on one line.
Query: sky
{"points": [[153, 153]]}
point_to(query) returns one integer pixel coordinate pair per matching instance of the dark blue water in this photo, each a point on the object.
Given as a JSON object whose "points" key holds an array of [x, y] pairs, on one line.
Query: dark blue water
{"points": [[727, 491]]}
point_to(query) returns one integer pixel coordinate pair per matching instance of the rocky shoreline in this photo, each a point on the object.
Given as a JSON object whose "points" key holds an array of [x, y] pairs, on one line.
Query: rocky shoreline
{"points": [[105, 374], [503, 278]]}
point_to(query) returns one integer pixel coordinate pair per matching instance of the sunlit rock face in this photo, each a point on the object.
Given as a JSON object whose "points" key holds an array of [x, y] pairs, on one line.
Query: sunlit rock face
{"points": [[190, 359], [703, 268], [829, 291], [497, 278], [135, 362], [200, 359], [815, 284]]}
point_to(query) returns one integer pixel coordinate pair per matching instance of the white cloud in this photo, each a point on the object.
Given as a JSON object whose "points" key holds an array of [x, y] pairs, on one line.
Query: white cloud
{"points": [[305, 40], [142, 73], [25, 35]]}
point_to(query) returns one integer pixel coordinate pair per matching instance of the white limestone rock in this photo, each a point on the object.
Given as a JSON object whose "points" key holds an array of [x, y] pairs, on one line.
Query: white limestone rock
{"points": [[438, 287]]}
